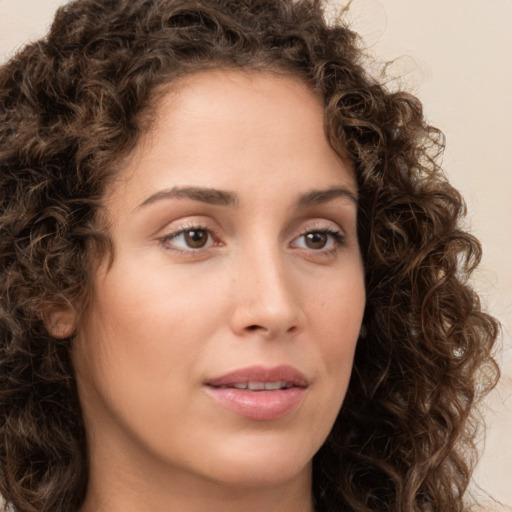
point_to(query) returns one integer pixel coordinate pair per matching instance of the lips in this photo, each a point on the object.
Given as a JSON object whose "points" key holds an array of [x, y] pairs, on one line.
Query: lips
{"points": [[260, 374], [259, 393]]}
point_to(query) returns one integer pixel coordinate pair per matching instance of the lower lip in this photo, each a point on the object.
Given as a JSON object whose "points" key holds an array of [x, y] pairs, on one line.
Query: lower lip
{"points": [[259, 405]]}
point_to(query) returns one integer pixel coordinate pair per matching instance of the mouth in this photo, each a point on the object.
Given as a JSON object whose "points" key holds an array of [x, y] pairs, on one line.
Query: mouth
{"points": [[257, 378], [260, 393], [259, 386]]}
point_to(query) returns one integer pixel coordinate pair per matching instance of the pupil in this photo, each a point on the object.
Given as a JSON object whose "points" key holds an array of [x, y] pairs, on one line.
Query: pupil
{"points": [[196, 238], [316, 240]]}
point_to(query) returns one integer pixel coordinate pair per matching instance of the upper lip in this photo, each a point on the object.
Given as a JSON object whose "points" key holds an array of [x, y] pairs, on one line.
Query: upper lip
{"points": [[283, 373]]}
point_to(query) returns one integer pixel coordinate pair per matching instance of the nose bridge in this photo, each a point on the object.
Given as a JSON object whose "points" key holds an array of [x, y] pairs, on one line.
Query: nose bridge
{"points": [[265, 299]]}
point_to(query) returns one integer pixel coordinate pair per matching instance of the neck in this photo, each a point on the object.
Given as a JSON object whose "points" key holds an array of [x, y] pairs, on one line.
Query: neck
{"points": [[117, 484], [125, 492]]}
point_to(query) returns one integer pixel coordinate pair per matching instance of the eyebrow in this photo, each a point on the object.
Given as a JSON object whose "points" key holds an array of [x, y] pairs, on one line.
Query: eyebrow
{"points": [[323, 196], [224, 198], [201, 194]]}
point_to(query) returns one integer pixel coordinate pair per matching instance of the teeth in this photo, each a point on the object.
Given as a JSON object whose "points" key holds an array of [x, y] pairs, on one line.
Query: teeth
{"points": [[260, 386], [274, 385], [256, 385]]}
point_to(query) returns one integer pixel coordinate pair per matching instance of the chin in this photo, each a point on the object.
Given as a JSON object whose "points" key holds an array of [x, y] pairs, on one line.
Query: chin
{"points": [[259, 474], [261, 463]]}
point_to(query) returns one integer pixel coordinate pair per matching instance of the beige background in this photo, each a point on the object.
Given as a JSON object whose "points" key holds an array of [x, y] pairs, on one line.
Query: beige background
{"points": [[457, 56]]}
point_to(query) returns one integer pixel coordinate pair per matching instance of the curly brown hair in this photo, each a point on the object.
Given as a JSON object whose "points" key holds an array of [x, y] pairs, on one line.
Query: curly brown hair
{"points": [[73, 105]]}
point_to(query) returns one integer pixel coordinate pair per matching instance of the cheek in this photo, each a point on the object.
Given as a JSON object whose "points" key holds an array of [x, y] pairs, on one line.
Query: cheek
{"points": [[136, 354], [335, 321], [139, 331], [338, 316]]}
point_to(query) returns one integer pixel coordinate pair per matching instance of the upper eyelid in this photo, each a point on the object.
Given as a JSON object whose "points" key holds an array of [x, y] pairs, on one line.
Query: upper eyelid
{"points": [[329, 230], [179, 225], [318, 224], [297, 228], [182, 229], [170, 231], [332, 226]]}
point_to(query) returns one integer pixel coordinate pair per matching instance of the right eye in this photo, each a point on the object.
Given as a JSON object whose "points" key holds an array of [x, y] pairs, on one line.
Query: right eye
{"points": [[188, 239]]}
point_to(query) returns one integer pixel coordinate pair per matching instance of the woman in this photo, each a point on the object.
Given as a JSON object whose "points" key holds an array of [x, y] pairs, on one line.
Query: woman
{"points": [[233, 273]]}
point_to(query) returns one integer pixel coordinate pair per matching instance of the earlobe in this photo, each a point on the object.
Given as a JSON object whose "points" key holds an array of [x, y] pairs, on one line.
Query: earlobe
{"points": [[60, 322]]}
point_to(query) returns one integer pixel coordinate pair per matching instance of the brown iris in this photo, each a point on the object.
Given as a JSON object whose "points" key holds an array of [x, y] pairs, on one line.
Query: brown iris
{"points": [[316, 240], [196, 238]]}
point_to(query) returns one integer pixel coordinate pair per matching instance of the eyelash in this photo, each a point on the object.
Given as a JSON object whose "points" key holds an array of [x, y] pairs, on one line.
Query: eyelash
{"points": [[337, 237]]}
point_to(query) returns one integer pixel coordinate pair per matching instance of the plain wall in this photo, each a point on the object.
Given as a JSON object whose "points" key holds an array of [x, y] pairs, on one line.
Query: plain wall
{"points": [[456, 55]]}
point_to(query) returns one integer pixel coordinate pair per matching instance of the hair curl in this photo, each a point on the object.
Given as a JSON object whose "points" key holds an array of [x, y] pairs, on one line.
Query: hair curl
{"points": [[73, 104]]}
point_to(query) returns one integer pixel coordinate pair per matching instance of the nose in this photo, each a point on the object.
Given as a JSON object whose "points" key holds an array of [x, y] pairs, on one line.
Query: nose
{"points": [[265, 297]]}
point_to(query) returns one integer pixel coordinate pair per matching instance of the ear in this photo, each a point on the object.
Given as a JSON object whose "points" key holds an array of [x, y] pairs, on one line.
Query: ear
{"points": [[60, 322]]}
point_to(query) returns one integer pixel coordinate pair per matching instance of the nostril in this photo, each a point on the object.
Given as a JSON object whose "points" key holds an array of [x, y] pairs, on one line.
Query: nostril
{"points": [[254, 327]]}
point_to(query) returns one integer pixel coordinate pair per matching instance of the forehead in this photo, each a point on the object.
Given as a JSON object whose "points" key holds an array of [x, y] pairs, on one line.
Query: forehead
{"points": [[251, 100], [232, 128]]}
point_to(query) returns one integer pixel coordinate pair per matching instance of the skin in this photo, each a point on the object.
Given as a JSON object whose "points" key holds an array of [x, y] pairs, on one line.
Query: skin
{"points": [[166, 317]]}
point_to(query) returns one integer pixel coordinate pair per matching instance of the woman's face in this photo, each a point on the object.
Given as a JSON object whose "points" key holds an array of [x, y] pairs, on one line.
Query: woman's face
{"points": [[236, 268]]}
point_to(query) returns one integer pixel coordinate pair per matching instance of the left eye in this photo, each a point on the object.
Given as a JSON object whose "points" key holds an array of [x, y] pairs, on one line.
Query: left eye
{"points": [[193, 238], [318, 240]]}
